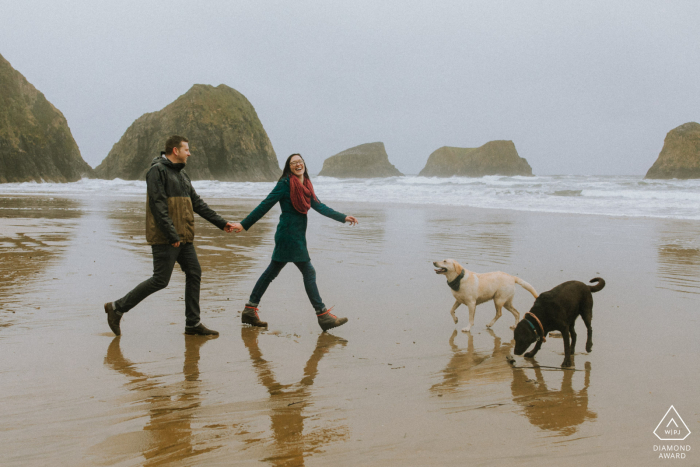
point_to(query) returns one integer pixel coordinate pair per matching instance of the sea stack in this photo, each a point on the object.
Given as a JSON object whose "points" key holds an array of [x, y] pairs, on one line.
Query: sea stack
{"points": [[35, 141], [493, 158], [368, 160], [226, 139], [680, 156]]}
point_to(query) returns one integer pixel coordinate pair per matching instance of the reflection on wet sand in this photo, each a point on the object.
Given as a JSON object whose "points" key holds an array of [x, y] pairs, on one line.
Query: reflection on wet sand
{"points": [[679, 258], [367, 240], [287, 404], [477, 243], [168, 436], [465, 366], [33, 233], [558, 411]]}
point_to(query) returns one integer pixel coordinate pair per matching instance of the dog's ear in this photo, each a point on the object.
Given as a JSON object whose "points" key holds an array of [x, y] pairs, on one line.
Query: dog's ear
{"points": [[458, 267]]}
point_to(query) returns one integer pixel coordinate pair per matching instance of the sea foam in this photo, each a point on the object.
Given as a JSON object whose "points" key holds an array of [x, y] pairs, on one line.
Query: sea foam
{"points": [[601, 195]]}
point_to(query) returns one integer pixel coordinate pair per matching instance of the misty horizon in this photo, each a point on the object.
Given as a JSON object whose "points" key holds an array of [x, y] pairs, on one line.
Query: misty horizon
{"points": [[579, 89]]}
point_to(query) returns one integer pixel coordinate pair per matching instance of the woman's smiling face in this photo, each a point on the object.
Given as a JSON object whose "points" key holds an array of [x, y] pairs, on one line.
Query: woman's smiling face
{"points": [[296, 165]]}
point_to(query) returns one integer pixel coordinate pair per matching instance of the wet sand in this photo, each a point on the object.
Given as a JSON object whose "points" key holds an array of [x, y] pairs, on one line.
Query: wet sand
{"points": [[398, 385]]}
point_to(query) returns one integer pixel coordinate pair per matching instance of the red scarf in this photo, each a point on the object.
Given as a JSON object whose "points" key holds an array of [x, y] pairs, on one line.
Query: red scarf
{"points": [[301, 194]]}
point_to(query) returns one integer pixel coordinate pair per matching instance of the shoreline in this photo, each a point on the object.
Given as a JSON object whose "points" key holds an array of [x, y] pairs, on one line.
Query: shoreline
{"points": [[612, 196], [256, 200]]}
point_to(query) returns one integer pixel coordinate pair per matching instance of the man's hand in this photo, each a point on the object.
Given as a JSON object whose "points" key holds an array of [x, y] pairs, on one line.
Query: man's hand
{"points": [[352, 220], [233, 227], [176, 244]]}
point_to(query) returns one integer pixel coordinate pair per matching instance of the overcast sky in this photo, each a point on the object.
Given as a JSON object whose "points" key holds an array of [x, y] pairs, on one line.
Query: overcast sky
{"points": [[580, 87]]}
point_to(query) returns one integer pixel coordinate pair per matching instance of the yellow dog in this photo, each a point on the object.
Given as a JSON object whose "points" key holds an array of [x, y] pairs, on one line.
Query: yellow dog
{"points": [[471, 289]]}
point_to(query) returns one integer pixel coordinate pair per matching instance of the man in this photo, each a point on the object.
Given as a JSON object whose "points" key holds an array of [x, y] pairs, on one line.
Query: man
{"points": [[170, 232]]}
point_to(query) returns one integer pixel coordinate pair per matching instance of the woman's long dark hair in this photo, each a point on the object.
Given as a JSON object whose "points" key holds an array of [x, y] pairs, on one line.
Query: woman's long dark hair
{"points": [[287, 171]]}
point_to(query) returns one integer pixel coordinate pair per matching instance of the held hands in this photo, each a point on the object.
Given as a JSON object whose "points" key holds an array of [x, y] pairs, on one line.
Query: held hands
{"points": [[234, 227], [176, 244], [352, 220]]}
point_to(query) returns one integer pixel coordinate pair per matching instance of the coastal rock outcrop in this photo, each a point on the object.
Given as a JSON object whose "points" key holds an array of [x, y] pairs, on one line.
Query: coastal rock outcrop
{"points": [[680, 156], [35, 141], [493, 158], [368, 160], [226, 138]]}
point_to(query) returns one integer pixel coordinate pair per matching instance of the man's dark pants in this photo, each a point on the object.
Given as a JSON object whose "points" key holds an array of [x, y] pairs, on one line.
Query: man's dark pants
{"points": [[164, 259]]}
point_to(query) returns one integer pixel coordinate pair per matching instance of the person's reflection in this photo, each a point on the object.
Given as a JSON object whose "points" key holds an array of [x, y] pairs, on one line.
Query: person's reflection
{"points": [[169, 430], [560, 411], [465, 364], [289, 401]]}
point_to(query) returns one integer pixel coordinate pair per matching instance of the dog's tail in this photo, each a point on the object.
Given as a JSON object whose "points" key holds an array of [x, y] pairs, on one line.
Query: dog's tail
{"points": [[599, 286], [527, 286]]}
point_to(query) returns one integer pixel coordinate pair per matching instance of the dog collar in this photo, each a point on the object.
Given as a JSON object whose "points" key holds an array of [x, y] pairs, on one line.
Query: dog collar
{"points": [[533, 326], [537, 336], [454, 285]]}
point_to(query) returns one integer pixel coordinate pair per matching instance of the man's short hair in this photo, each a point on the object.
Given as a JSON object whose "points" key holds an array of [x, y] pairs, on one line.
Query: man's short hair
{"points": [[174, 142]]}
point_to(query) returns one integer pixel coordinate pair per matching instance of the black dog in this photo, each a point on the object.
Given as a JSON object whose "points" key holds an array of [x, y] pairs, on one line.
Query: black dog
{"points": [[557, 309]]}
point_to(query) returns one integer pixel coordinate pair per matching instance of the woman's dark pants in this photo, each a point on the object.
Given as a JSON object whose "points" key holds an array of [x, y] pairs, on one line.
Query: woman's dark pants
{"points": [[164, 259], [307, 270]]}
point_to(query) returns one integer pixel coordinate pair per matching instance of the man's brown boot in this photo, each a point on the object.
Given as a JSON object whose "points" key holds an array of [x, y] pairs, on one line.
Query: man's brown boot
{"points": [[250, 316], [200, 330], [113, 319]]}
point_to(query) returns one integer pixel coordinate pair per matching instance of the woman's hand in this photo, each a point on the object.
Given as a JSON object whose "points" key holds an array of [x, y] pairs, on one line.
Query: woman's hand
{"points": [[352, 220], [233, 227]]}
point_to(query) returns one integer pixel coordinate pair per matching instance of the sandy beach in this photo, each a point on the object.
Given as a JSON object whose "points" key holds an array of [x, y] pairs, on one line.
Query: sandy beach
{"points": [[399, 384]]}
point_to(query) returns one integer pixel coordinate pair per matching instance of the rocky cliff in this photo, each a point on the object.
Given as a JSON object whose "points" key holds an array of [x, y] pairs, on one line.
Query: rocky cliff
{"points": [[680, 156], [364, 161], [35, 141], [493, 158], [226, 139]]}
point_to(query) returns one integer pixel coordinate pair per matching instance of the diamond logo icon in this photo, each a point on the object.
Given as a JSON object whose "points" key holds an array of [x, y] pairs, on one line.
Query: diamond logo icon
{"points": [[672, 427]]}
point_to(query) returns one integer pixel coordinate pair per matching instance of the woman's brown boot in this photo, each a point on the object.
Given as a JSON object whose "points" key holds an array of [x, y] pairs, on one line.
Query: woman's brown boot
{"points": [[328, 321], [250, 316]]}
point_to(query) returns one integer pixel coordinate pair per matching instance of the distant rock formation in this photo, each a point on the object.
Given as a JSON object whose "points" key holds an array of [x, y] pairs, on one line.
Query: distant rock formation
{"points": [[493, 158], [680, 156], [368, 160], [35, 141], [226, 139]]}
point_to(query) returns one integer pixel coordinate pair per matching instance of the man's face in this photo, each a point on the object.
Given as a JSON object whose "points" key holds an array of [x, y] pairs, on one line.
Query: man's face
{"points": [[181, 154]]}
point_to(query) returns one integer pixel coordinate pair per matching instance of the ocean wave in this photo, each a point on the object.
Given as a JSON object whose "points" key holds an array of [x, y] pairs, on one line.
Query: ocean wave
{"points": [[601, 195]]}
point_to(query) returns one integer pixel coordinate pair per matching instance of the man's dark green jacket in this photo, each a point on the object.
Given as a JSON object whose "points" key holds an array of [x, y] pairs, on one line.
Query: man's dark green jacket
{"points": [[290, 238], [171, 204]]}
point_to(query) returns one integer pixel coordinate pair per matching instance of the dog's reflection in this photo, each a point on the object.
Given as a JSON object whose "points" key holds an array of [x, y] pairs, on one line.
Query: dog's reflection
{"points": [[468, 364], [168, 433], [561, 411], [288, 401]]}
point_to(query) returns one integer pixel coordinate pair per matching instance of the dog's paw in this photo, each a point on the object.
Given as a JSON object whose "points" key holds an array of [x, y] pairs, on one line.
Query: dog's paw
{"points": [[566, 364], [456, 320], [467, 329], [589, 347], [513, 326], [529, 355]]}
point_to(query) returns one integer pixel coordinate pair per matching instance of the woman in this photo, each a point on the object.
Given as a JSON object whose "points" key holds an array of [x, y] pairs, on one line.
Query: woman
{"points": [[295, 193]]}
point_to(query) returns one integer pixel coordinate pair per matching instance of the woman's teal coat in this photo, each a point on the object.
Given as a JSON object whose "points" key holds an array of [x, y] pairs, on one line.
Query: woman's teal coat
{"points": [[290, 238]]}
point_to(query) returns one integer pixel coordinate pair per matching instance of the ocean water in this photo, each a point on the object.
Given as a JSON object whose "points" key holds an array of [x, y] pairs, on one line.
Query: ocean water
{"points": [[578, 194]]}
